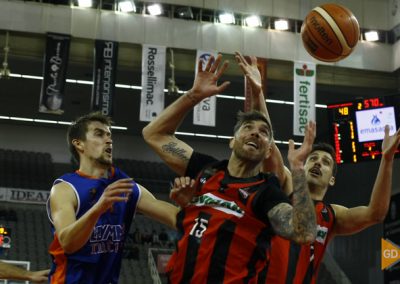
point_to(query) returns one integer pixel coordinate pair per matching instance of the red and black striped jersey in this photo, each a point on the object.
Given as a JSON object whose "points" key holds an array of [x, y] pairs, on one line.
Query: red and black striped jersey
{"points": [[299, 264], [223, 238]]}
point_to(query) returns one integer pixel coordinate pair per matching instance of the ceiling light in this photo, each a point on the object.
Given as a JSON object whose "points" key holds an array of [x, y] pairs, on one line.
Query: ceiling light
{"points": [[253, 21], [154, 9], [226, 18], [371, 36], [126, 6], [85, 3], [184, 12], [281, 25]]}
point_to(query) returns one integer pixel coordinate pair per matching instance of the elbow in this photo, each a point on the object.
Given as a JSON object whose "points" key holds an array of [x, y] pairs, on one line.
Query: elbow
{"points": [[305, 237], [378, 218], [66, 244], [146, 133]]}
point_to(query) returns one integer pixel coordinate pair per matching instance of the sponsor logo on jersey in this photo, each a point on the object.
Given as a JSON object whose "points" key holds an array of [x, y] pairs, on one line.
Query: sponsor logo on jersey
{"points": [[218, 203], [322, 233]]}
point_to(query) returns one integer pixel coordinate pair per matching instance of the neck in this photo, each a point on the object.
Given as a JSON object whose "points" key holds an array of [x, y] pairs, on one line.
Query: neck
{"points": [[243, 169], [316, 192], [93, 169]]}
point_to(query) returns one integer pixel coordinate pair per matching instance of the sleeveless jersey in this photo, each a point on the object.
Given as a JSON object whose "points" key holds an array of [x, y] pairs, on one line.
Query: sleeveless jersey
{"points": [[99, 260], [222, 240], [299, 264]]}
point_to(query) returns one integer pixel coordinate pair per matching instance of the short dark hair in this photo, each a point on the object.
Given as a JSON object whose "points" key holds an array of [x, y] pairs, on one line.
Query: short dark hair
{"points": [[79, 128], [325, 147], [248, 116]]}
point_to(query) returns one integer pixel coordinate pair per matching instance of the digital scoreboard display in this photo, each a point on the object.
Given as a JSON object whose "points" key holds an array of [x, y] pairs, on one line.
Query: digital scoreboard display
{"points": [[5, 237], [357, 127]]}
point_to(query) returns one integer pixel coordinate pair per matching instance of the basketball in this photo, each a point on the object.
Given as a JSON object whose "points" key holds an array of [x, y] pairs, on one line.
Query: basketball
{"points": [[330, 32]]}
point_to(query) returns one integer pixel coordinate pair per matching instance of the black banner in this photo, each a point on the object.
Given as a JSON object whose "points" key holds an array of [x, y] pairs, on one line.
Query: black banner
{"points": [[391, 231], [104, 73], [54, 73]]}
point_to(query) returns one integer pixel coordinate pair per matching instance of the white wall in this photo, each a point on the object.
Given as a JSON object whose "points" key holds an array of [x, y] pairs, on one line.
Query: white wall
{"points": [[133, 28]]}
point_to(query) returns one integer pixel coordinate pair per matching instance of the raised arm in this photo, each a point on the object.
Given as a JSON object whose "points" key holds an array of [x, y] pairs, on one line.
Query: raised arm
{"points": [[353, 220], [12, 272], [74, 233], [297, 222], [160, 133], [274, 163]]}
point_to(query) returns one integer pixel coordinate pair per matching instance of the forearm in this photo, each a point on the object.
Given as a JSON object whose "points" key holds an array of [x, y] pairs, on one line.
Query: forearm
{"points": [[257, 102], [8, 271], [380, 196], [169, 120], [304, 219], [75, 235]]}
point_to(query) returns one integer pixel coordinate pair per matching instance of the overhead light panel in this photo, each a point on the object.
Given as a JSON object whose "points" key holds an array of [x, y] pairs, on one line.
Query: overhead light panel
{"points": [[126, 6], [226, 18], [281, 25], [85, 3], [253, 21], [371, 36], [184, 12], [154, 9]]}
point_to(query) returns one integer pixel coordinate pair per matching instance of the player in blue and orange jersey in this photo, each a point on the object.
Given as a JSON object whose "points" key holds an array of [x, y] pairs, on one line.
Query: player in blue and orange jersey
{"points": [[225, 231], [91, 209]]}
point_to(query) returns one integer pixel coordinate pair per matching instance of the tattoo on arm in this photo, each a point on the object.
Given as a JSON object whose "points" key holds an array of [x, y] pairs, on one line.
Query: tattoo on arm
{"points": [[280, 217], [297, 223], [172, 149], [304, 220]]}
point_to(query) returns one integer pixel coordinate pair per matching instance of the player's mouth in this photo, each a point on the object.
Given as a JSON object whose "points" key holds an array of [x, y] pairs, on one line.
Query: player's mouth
{"points": [[315, 171], [108, 151], [252, 144]]}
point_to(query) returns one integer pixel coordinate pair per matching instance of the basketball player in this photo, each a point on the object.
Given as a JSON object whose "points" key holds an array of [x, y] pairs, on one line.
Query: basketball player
{"points": [[291, 263], [225, 232], [13, 272], [294, 263], [91, 210]]}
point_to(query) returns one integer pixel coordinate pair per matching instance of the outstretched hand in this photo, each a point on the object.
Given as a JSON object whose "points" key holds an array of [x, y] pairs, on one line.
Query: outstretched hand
{"points": [[297, 157], [250, 70], [182, 191], [40, 276], [206, 82], [118, 191], [390, 143]]}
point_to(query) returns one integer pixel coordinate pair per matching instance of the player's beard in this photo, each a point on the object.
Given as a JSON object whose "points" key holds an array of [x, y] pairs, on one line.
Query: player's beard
{"points": [[105, 162]]}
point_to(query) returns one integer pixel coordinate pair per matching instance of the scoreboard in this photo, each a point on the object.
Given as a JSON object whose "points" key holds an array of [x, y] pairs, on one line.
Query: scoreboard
{"points": [[357, 127], [5, 237]]}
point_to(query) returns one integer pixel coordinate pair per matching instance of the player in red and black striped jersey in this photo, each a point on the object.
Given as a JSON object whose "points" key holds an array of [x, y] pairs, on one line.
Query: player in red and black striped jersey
{"points": [[291, 263], [225, 230]]}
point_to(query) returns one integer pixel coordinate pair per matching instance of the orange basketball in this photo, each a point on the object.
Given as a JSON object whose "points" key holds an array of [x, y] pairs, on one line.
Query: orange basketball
{"points": [[330, 32]]}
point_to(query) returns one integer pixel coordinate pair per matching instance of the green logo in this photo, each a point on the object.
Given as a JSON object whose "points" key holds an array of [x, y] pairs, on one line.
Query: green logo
{"points": [[305, 71]]}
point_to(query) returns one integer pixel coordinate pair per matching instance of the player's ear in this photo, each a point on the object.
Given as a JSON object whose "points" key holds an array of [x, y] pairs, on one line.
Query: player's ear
{"points": [[231, 142], [78, 144], [332, 181]]}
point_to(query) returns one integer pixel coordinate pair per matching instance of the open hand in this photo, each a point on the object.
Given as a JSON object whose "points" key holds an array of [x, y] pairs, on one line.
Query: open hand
{"points": [[205, 84], [390, 143], [250, 70], [297, 157], [182, 191]]}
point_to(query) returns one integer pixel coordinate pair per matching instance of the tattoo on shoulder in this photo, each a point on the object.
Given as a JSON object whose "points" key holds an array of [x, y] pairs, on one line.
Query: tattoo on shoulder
{"points": [[172, 149]]}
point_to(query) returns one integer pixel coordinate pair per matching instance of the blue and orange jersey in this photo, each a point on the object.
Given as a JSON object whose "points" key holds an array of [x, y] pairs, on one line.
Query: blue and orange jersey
{"points": [[99, 260]]}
